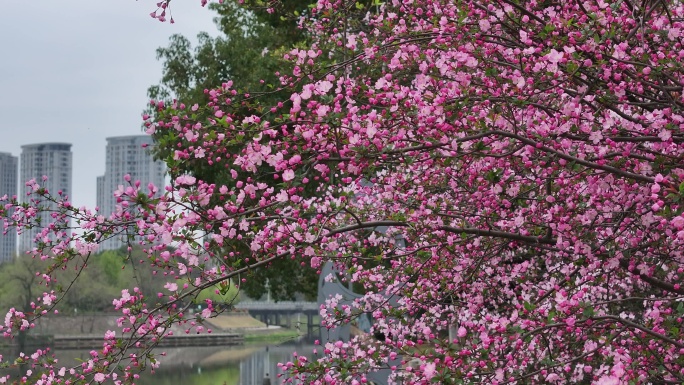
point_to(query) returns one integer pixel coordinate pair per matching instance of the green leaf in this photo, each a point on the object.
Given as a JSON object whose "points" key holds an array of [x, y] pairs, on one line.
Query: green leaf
{"points": [[491, 71], [529, 306]]}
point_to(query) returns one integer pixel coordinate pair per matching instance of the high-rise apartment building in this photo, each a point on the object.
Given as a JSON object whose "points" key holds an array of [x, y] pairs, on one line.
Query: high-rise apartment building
{"points": [[126, 155], [8, 186], [51, 160], [99, 199]]}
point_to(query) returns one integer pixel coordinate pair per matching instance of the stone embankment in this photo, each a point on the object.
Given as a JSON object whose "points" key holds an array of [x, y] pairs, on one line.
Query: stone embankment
{"points": [[87, 331]]}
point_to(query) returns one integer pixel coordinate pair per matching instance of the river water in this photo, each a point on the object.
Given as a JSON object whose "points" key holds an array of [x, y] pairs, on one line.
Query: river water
{"points": [[245, 365], [238, 365]]}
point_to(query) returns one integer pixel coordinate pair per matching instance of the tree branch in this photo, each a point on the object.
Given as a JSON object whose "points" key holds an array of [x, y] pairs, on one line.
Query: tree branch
{"points": [[455, 230], [642, 328]]}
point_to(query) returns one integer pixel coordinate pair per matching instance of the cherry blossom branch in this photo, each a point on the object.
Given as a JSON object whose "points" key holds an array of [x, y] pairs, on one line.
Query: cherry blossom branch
{"points": [[642, 328], [652, 280], [455, 230], [540, 146]]}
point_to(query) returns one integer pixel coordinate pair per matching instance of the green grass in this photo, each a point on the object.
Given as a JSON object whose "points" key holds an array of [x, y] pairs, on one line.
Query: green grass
{"points": [[269, 336], [228, 375]]}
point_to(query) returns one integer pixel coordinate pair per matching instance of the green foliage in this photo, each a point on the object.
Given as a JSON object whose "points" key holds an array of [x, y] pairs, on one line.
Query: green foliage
{"points": [[91, 292], [219, 294], [281, 335], [134, 270], [248, 52], [111, 263], [228, 374], [88, 285], [286, 278], [19, 283]]}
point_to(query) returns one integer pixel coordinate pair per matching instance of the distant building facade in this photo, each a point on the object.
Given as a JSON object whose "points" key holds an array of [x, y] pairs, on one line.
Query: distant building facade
{"points": [[100, 192], [126, 155], [51, 160], [9, 170]]}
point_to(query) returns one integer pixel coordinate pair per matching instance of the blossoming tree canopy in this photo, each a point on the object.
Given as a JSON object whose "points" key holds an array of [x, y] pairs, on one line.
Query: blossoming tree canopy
{"points": [[528, 155]]}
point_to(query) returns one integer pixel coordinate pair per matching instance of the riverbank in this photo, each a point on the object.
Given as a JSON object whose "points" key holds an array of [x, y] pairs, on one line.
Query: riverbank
{"points": [[87, 331], [272, 334], [206, 339]]}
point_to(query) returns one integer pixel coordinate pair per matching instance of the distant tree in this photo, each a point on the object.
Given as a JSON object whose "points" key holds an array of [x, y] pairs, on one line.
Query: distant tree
{"points": [[249, 54], [20, 285], [126, 268], [89, 287]]}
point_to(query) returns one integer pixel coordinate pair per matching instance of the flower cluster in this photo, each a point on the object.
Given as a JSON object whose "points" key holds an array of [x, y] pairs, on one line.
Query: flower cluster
{"points": [[511, 175]]}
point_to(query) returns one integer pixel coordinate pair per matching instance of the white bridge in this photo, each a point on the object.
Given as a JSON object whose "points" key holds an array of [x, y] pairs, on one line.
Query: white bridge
{"points": [[270, 313]]}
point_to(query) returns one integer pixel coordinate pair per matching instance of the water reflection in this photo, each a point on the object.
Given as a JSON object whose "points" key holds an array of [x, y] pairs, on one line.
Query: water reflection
{"points": [[238, 365]]}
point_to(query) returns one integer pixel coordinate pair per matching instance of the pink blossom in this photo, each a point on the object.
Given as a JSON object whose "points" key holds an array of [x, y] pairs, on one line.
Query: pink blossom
{"points": [[608, 380], [462, 332], [186, 180], [429, 370], [678, 222], [206, 313], [171, 286], [288, 175]]}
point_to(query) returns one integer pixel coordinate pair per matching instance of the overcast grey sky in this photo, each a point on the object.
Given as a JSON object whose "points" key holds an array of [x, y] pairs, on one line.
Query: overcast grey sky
{"points": [[77, 71]]}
